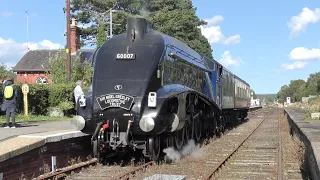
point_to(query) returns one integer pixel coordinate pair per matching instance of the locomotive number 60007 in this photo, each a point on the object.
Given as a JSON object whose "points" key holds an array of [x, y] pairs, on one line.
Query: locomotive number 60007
{"points": [[126, 56]]}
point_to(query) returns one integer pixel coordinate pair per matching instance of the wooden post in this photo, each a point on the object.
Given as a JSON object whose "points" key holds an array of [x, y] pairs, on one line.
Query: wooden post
{"points": [[25, 91]]}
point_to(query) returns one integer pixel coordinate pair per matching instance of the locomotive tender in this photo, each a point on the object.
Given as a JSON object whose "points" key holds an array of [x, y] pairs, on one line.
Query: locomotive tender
{"points": [[151, 91]]}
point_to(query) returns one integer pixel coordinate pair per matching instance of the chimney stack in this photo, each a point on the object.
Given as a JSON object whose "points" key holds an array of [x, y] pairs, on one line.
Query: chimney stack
{"points": [[137, 28], [74, 36]]}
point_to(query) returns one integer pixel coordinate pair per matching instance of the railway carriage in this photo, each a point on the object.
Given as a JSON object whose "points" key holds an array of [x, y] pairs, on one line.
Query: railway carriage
{"points": [[152, 91]]}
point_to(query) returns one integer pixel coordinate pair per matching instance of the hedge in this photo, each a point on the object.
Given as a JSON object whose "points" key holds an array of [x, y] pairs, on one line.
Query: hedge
{"points": [[42, 97]]}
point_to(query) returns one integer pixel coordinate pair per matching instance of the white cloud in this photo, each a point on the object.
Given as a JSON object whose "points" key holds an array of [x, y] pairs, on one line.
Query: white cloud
{"points": [[227, 60], [302, 53], [232, 39], [214, 20], [300, 22], [294, 66], [11, 52], [5, 14], [214, 34]]}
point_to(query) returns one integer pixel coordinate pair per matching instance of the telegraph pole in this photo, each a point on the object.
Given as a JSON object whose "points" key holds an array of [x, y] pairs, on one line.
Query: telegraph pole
{"points": [[68, 49]]}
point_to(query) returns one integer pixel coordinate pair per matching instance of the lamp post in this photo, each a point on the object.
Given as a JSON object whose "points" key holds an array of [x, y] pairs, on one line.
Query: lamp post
{"points": [[111, 11]]}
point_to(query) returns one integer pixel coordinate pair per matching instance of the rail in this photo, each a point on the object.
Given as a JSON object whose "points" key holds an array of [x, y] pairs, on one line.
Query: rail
{"points": [[126, 175], [60, 173], [279, 148], [231, 153]]}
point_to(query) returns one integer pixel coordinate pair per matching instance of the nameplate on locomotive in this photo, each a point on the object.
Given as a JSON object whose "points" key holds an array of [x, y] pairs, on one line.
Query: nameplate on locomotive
{"points": [[126, 56], [115, 100]]}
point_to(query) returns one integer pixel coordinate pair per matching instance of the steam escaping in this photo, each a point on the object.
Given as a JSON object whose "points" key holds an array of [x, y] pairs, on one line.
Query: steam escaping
{"points": [[191, 149], [144, 13]]}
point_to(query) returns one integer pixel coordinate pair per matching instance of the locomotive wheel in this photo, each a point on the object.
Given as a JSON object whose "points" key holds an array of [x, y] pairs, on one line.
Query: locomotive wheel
{"points": [[179, 139], [169, 141], [189, 132], [206, 125], [197, 128], [154, 147]]}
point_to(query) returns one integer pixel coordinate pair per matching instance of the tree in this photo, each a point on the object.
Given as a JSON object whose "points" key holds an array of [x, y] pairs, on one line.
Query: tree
{"points": [[101, 37], [95, 11], [296, 89], [178, 19], [299, 88], [313, 84], [80, 70], [283, 93], [4, 72], [175, 18]]}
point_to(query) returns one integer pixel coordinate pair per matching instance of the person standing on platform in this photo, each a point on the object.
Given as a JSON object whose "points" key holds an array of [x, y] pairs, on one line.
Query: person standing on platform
{"points": [[77, 92], [10, 95]]}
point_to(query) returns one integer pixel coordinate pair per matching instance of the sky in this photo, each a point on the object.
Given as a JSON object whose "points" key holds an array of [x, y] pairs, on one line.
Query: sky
{"points": [[266, 44]]}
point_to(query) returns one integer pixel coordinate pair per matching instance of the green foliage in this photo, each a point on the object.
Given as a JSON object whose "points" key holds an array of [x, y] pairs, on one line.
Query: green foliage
{"points": [[80, 70], [59, 93], [4, 72], [38, 99], [101, 37], [66, 105], [31, 117], [175, 18], [300, 88], [41, 97]]}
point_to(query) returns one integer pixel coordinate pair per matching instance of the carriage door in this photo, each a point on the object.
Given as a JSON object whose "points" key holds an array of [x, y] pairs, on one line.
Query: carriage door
{"points": [[219, 87]]}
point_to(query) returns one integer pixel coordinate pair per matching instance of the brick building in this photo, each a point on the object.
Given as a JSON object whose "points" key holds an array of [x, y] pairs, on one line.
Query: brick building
{"points": [[33, 66]]}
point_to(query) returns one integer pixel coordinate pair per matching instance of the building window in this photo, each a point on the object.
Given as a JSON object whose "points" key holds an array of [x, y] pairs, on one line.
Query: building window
{"points": [[42, 80]]}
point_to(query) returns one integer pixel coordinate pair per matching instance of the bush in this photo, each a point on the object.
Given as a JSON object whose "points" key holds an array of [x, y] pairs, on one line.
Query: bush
{"points": [[43, 97]]}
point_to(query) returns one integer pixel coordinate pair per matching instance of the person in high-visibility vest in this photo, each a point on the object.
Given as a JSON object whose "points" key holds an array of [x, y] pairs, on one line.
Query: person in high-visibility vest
{"points": [[10, 95]]}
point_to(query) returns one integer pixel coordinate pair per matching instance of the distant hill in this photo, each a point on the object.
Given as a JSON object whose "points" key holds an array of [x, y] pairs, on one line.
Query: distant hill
{"points": [[266, 96]]}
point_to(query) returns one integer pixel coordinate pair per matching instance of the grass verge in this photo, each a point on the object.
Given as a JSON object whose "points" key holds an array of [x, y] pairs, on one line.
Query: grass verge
{"points": [[312, 106], [33, 118]]}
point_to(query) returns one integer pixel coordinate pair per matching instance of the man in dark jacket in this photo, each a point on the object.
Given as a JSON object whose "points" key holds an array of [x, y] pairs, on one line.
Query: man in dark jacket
{"points": [[9, 105]]}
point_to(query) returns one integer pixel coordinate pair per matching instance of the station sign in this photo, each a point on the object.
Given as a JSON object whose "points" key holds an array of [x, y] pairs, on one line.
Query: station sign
{"points": [[25, 88]]}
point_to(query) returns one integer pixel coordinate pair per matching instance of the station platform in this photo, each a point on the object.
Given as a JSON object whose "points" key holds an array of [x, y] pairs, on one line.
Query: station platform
{"points": [[309, 131], [20, 144], [26, 150], [31, 135]]}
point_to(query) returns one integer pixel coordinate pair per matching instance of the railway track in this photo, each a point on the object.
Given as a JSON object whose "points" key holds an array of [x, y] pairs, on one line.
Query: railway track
{"points": [[259, 155], [256, 156], [261, 148], [92, 169]]}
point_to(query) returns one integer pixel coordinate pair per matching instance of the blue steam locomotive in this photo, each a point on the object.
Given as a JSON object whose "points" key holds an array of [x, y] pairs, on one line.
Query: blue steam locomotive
{"points": [[151, 91]]}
